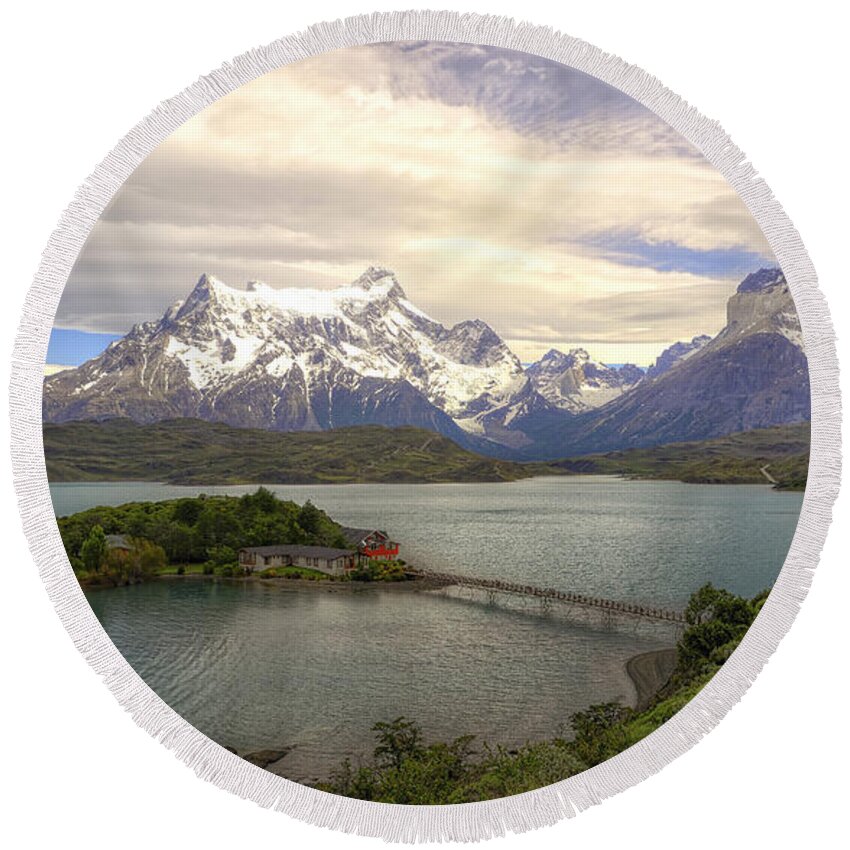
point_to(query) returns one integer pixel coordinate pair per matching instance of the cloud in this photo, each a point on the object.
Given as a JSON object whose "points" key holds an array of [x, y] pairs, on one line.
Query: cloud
{"points": [[54, 368], [535, 96], [497, 185], [630, 249]]}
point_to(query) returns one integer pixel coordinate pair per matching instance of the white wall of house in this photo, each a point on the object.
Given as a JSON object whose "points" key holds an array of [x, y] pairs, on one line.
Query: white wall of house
{"points": [[335, 567]]}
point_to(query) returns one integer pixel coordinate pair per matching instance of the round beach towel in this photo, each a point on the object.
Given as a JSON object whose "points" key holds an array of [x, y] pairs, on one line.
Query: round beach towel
{"points": [[422, 423]]}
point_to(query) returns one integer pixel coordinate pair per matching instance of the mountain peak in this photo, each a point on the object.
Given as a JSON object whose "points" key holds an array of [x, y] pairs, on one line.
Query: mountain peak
{"points": [[676, 353], [209, 282], [257, 286], [554, 357], [379, 276], [205, 292], [762, 279]]}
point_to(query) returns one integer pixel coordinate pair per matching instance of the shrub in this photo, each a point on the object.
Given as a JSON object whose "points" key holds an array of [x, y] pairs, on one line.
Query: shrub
{"points": [[221, 556], [93, 552]]}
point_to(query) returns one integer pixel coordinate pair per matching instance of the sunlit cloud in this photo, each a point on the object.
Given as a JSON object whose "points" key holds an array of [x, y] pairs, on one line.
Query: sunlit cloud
{"points": [[497, 185]]}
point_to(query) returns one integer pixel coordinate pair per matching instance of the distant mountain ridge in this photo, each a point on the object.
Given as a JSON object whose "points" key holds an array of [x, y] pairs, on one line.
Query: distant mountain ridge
{"points": [[575, 382], [777, 455], [313, 360], [752, 375], [676, 353]]}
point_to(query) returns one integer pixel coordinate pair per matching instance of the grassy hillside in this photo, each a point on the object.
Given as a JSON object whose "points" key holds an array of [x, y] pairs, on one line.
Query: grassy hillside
{"points": [[782, 452], [189, 451]]}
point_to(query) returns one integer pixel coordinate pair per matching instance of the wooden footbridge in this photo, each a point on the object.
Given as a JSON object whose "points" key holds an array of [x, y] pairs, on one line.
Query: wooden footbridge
{"points": [[548, 595]]}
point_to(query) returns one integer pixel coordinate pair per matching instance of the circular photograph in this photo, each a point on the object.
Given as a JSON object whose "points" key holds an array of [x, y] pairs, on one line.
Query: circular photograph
{"points": [[425, 422]]}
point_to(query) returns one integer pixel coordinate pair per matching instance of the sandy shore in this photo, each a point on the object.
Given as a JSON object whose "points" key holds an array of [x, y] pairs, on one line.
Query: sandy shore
{"points": [[649, 672]]}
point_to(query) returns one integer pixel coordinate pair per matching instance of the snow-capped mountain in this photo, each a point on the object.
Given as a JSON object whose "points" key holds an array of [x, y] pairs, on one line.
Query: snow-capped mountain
{"points": [[676, 353], [295, 359], [753, 374], [575, 382], [308, 359]]}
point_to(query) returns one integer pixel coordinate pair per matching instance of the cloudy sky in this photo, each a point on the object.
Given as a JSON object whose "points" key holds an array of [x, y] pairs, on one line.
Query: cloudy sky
{"points": [[495, 184]]}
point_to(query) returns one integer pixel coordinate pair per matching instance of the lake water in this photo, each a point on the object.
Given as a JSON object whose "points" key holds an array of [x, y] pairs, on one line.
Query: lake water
{"points": [[651, 542], [263, 666]]}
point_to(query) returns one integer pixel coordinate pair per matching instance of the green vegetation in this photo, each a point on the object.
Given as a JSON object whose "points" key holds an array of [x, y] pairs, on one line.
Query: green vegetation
{"points": [[99, 564], [377, 570], [201, 534], [181, 570], [782, 452], [404, 769], [304, 573], [189, 451], [93, 551]]}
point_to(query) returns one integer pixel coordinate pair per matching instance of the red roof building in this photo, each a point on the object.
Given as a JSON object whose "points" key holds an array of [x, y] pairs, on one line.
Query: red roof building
{"points": [[372, 543]]}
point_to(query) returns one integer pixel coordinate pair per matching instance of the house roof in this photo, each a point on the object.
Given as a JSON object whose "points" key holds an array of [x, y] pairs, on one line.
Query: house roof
{"points": [[355, 535], [118, 541], [296, 551]]}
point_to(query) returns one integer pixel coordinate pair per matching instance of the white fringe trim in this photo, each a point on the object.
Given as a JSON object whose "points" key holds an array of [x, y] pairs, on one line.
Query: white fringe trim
{"points": [[473, 821]]}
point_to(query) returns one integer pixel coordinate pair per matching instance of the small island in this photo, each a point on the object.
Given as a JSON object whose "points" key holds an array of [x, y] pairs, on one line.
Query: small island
{"points": [[256, 535]]}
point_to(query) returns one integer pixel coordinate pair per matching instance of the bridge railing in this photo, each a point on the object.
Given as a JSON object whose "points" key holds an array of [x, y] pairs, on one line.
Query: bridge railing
{"points": [[502, 586]]}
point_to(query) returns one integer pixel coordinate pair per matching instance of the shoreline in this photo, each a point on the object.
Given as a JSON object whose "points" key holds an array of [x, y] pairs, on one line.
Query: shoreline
{"points": [[649, 672], [291, 584], [329, 584], [621, 476]]}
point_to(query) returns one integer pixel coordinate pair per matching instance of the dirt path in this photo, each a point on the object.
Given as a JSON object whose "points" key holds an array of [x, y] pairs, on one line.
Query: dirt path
{"points": [[767, 475]]}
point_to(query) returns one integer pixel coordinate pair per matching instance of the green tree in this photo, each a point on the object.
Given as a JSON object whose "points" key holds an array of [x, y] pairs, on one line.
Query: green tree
{"points": [[93, 550], [711, 603], [142, 560], [398, 740], [262, 501], [599, 731], [187, 511], [716, 619], [221, 556], [431, 776], [178, 540], [310, 518], [147, 558]]}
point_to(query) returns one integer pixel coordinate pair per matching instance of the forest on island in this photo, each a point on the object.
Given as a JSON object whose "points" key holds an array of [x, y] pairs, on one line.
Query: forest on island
{"points": [[201, 530]]}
